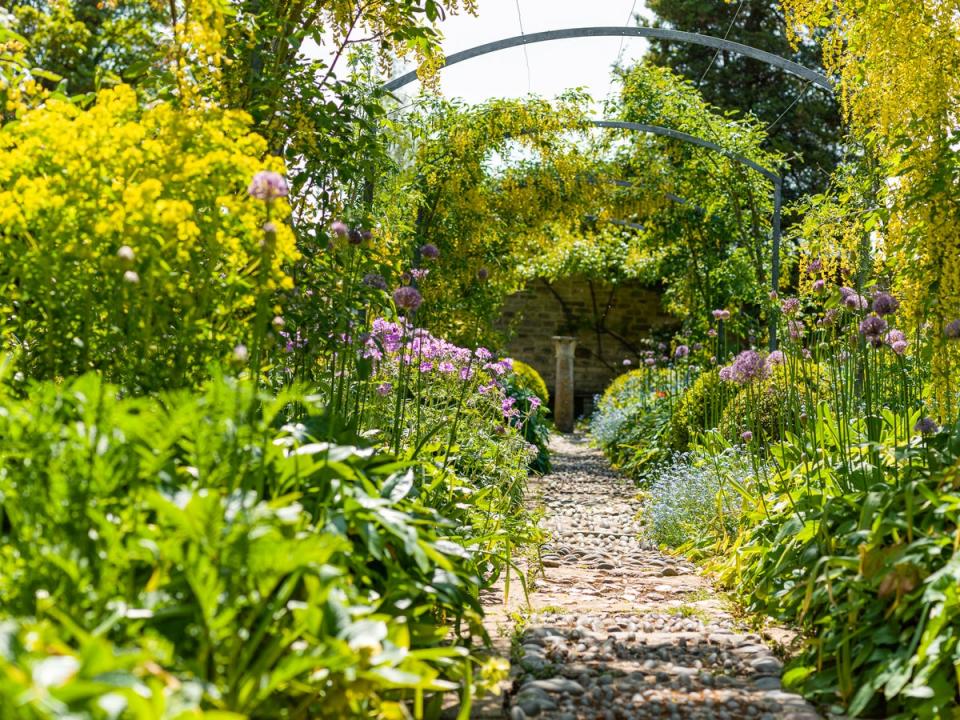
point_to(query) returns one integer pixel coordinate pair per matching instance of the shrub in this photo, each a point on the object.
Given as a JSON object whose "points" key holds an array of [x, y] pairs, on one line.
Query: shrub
{"points": [[773, 404], [128, 241], [530, 380], [700, 408]]}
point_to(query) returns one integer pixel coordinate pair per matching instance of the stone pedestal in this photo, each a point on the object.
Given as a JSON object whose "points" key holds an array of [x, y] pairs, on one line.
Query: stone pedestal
{"points": [[563, 387]]}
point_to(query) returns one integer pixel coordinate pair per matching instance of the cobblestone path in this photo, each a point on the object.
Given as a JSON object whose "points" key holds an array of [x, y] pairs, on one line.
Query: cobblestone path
{"points": [[617, 629]]}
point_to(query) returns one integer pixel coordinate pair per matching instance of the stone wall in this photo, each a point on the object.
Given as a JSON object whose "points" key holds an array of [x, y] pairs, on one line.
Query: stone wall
{"points": [[608, 323]]}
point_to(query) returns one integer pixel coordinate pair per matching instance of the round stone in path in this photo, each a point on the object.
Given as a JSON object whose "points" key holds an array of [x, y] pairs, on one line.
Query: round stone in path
{"points": [[621, 631]]}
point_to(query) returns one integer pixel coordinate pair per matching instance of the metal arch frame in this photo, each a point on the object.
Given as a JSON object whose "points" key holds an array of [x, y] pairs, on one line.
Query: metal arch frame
{"points": [[789, 66], [777, 181]]}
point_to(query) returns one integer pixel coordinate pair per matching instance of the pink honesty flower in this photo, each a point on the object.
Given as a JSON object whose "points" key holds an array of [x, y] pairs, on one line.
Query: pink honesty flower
{"points": [[535, 402], [268, 185], [384, 388]]}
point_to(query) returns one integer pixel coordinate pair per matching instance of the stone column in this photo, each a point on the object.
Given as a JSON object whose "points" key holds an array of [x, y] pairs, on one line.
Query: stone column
{"points": [[563, 387]]}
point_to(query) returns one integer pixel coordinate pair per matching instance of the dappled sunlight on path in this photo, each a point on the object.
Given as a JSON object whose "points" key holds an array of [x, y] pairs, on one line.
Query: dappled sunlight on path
{"points": [[617, 629]]}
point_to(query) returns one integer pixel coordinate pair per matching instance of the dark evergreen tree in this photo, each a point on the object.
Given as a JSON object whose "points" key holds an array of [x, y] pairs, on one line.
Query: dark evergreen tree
{"points": [[805, 120]]}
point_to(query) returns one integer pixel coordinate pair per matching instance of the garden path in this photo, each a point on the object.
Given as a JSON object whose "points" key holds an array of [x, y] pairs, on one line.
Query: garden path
{"points": [[615, 629]]}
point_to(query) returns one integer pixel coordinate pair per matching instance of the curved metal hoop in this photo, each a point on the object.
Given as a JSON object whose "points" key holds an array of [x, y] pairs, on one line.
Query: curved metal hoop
{"points": [[692, 139], [660, 33], [769, 174]]}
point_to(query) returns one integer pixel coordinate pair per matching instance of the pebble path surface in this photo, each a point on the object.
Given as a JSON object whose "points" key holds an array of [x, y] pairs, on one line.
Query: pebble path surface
{"points": [[617, 630]]}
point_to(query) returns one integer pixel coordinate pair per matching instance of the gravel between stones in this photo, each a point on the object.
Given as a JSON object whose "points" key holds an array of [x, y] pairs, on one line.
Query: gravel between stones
{"points": [[624, 631]]}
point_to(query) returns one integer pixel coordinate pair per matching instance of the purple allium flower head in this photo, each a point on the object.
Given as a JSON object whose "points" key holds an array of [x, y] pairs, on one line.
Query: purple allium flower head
{"points": [[829, 317], [790, 306], [697, 347], [725, 373], [355, 236], [535, 402], [375, 280], [775, 358], [747, 367], [649, 362], [713, 359], [899, 347], [815, 266], [712, 332], [885, 304], [952, 330], [746, 436], [627, 362], [721, 314], [872, 328], [819, 286], [429, 251], [661, 346], [926, 426], [339, 228], [681, 352], [807, 355], [852, 299], [384, 388], [894, 336], [773, 295], [796, 329], [407, 298], [268, 185]]}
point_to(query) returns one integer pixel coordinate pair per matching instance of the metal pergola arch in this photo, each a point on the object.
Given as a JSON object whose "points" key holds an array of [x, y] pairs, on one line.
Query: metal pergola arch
{"points": [[789, 66]]}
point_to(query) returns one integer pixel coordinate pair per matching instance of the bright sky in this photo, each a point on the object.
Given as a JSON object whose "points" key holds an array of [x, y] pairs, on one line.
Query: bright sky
{"points": [[554, 66]]}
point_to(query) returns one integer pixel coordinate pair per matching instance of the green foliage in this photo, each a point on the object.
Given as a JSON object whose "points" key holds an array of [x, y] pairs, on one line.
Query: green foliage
{"points": [[288, 577], [772, 406], [699, 409], [530, 380], [632, 417], [531, 417], [483, 184], [713, 250], [808, 122]]}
